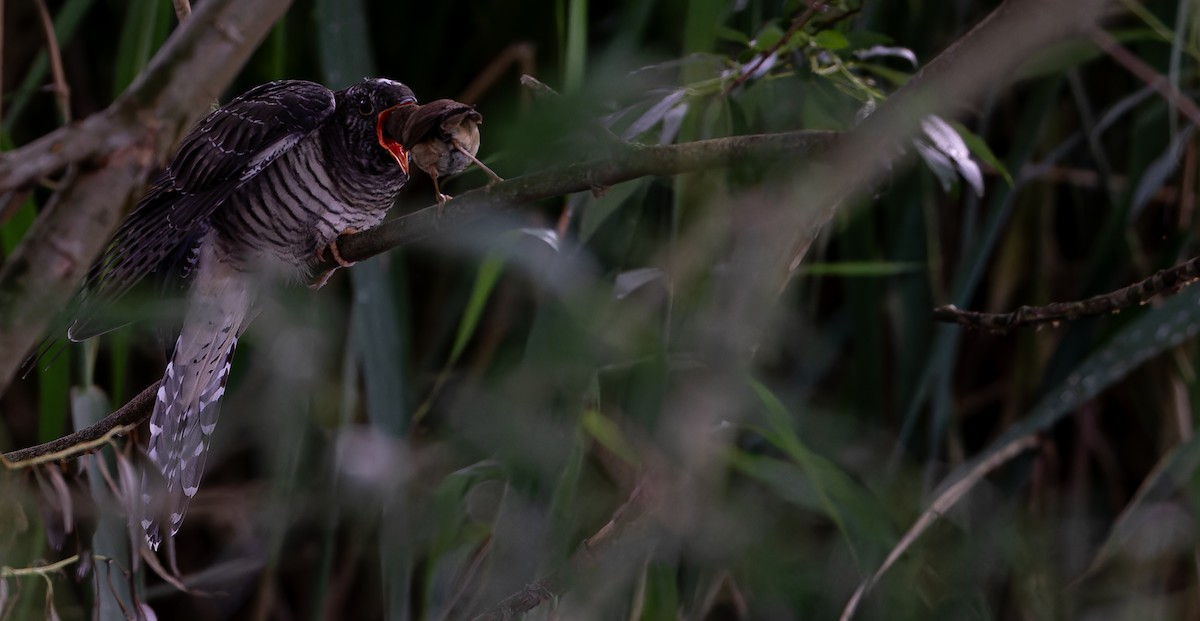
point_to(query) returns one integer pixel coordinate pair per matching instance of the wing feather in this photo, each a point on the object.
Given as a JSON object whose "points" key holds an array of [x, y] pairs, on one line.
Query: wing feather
{"points": [[220, 154]]}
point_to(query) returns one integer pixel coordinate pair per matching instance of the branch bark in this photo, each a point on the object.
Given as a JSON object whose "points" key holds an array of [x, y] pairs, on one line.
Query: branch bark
{"points": [[111, 154], [1162, 282]]}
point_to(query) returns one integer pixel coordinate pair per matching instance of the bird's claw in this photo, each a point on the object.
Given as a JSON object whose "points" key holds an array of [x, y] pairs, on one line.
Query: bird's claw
{"points": [[336, 254]]}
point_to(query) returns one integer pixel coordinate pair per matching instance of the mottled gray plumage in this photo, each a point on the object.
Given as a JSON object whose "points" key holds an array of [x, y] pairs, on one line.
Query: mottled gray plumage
{"points": [[255, 190]]}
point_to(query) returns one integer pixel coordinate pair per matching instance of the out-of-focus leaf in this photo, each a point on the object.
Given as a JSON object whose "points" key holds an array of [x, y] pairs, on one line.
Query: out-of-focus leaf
{"points": [[629, 281], [672, 122], [1174, 473], [732, 34], [489, 272], [657, 594], [832, 40], [1159, 171], [146, 26], [447, 507], [131, 497], [50, 505], [14, 228], [653, 115], [947, 154], [769, 35], [597, 210], [980, 149], [146, 612], [63, 493], [887, 51], [548, 236], [575, 52], [371, 460], [606, 432], [857, 513], [853, 269]]}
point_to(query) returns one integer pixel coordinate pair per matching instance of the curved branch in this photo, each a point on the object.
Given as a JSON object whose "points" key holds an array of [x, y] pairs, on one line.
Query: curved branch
{"points": [[110, 154], [130, 415], [1162, 282]]}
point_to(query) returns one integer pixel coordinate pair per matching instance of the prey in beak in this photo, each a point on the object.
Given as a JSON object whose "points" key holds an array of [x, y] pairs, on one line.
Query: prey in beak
{"points": [[386, 140]]}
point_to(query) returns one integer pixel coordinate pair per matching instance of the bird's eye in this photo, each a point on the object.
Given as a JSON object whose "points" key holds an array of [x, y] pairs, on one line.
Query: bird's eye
{"points": [[364, 107]]}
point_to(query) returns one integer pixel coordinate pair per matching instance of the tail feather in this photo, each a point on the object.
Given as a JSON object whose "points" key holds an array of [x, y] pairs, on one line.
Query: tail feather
{"points": [[189, 399]]}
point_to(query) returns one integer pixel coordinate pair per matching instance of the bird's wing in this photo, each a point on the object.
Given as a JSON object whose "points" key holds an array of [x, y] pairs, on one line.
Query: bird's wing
{"points": [[221, 153], [429, 120]]}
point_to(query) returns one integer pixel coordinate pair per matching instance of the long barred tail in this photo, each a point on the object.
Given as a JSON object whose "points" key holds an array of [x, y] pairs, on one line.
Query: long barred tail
{"points": [[189, 399]]}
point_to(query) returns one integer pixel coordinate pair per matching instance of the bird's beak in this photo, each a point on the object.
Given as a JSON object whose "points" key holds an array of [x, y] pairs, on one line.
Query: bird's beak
{"points": [[386, 141]]}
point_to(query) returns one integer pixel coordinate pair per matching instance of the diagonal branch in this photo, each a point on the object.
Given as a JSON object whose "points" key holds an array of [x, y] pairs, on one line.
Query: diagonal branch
{"points": [[626, 162]]}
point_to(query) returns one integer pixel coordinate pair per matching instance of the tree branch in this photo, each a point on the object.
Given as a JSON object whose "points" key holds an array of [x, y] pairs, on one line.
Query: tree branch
{"points": [[83, 441], [115, 150], [1162, 282], [625, 163]]}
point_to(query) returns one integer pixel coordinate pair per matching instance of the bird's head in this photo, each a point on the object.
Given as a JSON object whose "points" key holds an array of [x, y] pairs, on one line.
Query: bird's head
{"points": [[365, 108]]}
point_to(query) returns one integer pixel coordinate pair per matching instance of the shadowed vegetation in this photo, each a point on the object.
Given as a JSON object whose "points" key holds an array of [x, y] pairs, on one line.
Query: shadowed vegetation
{"points": [[712, 390]]}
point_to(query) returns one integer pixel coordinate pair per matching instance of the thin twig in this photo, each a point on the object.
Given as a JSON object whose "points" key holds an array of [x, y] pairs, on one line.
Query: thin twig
{"points": [[89, 438], [1146, 73], [1165, 281], [62, 92], [44, 570], [798, 23]]}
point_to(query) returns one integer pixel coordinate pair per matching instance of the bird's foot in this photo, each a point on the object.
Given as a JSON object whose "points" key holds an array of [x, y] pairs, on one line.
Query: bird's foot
{"points": [[442, 199], [336, 254]]}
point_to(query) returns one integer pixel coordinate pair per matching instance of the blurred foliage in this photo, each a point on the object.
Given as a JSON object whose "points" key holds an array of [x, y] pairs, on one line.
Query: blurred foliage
{"points": [[447, 426]]}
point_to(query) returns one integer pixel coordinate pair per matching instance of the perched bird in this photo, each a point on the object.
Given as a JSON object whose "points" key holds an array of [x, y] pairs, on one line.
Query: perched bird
{"points": [[442, 137], [258, 189]]}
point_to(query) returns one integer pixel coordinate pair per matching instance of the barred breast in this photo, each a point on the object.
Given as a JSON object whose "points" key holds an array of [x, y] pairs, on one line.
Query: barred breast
{"points": [[299, 204]]}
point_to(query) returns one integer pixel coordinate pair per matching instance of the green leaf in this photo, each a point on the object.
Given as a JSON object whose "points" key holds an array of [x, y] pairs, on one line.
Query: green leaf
{"points": [[770, 35], [14, 229], [146, 26], [980, 149], [597, 210], [576, 53], [831, 40], [857, 513], [485, 281], [731, 34], [605, 431], [859, 269]]}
